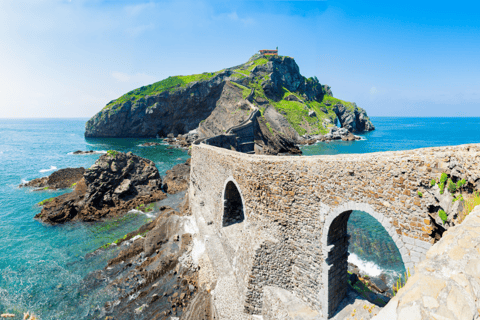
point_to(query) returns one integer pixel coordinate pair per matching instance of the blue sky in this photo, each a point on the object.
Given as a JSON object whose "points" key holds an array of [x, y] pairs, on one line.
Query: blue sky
{"points": [[61, 58]]}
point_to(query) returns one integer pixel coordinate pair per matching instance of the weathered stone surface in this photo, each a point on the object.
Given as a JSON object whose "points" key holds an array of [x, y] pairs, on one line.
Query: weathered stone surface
{"points": [[116, 183], [444, 287], [296, 210]]}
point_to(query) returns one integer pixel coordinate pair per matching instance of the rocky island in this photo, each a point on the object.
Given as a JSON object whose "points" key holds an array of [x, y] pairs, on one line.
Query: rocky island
{"points": [[269, 91]]}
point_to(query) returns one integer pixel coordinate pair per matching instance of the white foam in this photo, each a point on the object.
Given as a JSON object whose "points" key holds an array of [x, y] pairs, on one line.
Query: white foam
{"points": [[368, 267], [51, 169], [148, 214], [362, 138]]}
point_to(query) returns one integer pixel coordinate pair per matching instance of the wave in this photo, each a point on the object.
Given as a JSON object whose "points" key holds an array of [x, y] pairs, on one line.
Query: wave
{"points": [[148, 214], [363, 138], [368, 267], [51, 169]]}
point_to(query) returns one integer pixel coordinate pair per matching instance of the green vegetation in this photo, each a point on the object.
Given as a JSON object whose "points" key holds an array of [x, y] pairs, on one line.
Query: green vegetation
{"points": [[443, 215], [469, 203], [458, 198], [441, 184], [46, 188], [73, 185], [112, 153], [258, 62], [420, 194], [44, 202], [461, 183], [245, 90], [432, 182], [401, 282], [269, 126], [452, 187], [146, 208]]}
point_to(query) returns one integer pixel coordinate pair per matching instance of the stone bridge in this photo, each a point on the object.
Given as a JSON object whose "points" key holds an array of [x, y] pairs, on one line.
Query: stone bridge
{"points": [[282, 220]]}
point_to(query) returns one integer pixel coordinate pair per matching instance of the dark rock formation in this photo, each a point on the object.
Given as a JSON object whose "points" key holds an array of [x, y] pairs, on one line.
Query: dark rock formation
{"points": [[356, 121], [116, 183], [178, 178], [80, 152], [150, 144], [216, 102], [61, 179]]}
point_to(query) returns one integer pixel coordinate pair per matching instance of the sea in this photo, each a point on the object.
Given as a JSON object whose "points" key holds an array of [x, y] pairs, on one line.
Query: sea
{"points": [[47, 269]]}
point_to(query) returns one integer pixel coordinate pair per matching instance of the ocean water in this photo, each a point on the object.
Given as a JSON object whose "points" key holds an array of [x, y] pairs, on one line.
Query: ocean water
{"points": [[42, 268]]}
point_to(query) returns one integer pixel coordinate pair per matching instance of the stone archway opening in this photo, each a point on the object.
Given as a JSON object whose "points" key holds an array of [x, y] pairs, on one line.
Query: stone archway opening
{"points": [[233, 211], [358, 234]]}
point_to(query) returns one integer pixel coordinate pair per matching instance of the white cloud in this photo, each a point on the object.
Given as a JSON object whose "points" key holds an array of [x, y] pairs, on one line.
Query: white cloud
{"points": [[373, 91]]}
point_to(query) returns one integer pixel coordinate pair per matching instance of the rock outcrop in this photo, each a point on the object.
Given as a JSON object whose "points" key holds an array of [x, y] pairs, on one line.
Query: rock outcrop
{"points": [[61, 179], [178, 178], [212, 103], [116, 183]]}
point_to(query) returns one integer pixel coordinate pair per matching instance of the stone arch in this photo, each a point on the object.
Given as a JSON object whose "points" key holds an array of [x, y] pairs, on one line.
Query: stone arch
{"points": [[233, 204], [335, 242]]}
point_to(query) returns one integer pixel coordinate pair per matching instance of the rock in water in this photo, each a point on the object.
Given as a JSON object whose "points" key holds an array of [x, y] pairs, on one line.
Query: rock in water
{"points": [[116, 183], [61, 179]]}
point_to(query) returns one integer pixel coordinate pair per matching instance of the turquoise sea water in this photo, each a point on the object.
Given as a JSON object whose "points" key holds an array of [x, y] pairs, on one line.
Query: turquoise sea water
{"points": [[42, 268]]}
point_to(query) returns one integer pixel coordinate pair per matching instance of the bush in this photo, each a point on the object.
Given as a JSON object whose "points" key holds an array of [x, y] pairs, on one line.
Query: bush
{"points": [[452, 187], [420, 194], [432, 182], [443, 215], [441, 184], [461, 183]]}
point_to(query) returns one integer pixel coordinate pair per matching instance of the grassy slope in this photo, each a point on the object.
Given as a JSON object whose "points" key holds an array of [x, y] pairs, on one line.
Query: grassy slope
{"points": [[295, 112]]}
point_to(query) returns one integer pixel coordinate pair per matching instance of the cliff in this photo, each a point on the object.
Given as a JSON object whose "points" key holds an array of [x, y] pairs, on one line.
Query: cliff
{"points": [[290, 104]]}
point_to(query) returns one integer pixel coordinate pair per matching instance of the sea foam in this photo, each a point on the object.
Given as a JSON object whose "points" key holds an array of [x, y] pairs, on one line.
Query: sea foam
{"points": [[51, 169], [367, 267]]}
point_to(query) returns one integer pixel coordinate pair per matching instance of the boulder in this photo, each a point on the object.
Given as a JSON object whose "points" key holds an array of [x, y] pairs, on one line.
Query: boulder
{"points": [[116, 183]]}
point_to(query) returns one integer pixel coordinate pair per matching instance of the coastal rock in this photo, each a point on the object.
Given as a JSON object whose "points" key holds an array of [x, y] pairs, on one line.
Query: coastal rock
{"points": [[150, 144], [356, 121], [155, 275], [178, 178], [80, 152], [116, 183], [61, 179]]}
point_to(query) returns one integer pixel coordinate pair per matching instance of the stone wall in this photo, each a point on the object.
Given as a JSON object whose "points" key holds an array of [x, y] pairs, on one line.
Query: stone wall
{"points": [[446, 285], [295, 201]]}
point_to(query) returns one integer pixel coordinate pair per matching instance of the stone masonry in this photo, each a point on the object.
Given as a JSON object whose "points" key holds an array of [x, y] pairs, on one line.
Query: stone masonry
{"points": [[293, 235]]}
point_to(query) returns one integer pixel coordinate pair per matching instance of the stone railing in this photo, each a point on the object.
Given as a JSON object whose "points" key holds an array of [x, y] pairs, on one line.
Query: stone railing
{"points": [[446, 285]]}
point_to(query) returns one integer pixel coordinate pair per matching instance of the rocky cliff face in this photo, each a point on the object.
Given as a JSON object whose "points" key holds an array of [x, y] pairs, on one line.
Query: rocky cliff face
{"points": [[291, 104]]}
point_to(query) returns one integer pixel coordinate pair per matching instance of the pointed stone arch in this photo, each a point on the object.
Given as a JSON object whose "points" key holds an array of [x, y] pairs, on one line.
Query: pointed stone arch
{"points": [[334, 242], [233, 203]]}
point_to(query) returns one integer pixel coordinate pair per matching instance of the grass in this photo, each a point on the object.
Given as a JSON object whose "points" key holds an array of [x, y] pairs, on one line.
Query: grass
{"points": [[258, 62], [169, 84], [245, 72], [44, 202], [470, 202], [245, 90], [146, 208]]}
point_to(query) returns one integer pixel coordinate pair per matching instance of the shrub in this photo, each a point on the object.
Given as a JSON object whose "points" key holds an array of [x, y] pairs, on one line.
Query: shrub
{"points": [[441, 184], [443, 215], [461, 183], [420, 194], [432, 182], [452, 187], [460, 197]]}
